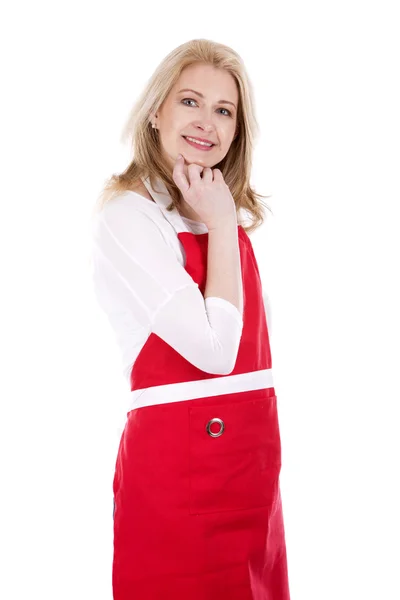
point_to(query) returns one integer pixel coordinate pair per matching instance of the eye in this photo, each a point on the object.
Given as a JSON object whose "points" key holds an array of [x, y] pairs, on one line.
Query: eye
{"points": [[228, 111], [191, 100]]}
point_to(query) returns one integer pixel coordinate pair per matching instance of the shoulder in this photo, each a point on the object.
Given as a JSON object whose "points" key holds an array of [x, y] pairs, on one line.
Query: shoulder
{"points": [[140, 189], [136, 200], [131, 213]]}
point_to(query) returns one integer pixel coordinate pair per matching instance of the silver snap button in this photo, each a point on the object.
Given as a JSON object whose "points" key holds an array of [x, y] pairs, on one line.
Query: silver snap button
{"points": [[221, 427]]}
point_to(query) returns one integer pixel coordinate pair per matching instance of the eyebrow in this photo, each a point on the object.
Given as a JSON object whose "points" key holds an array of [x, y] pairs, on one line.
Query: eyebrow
{"points": [[202, 96]]}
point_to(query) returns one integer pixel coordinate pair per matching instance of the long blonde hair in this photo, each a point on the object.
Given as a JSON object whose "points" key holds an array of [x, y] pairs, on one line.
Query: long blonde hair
{"points": [[148, 160]]}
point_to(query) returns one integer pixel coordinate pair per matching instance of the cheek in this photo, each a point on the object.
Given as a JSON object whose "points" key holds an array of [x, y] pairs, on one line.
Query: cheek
{"points": [[226, 136], [178, 119], [172, 121], [177, 126]]}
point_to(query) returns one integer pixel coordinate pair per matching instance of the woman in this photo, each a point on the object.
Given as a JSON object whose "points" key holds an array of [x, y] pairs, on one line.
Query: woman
{"points": [[198, 512]]}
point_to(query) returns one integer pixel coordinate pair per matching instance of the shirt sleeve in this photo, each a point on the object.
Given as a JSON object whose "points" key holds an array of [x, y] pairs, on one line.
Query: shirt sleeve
{"points": [[163, 296]]}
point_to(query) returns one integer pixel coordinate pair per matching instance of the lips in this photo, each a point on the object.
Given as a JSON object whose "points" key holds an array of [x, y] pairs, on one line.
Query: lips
{"points": [[199, 139]]}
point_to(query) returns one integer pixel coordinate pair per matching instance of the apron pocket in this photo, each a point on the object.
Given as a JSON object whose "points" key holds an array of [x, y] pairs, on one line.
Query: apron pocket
{"points": [[235, 454]]}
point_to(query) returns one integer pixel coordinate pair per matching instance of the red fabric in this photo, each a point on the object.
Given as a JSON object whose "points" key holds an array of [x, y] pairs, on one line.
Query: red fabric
{"points": [[200, 517], [159, 364]]}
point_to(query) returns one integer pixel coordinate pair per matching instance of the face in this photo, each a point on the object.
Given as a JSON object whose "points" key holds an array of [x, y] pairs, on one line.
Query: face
{"points": [[208, 111]]}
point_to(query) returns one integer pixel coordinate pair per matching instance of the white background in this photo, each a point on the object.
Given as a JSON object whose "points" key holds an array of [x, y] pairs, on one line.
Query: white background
{"points": [[326, 80]]}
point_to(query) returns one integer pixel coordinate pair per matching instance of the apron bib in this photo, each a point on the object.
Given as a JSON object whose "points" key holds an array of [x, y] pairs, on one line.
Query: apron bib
{"points": [[197, 505]]}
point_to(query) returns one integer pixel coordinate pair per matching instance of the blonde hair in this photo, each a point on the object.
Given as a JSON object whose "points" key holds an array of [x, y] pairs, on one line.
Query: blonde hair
{"points": [[148, 160]]}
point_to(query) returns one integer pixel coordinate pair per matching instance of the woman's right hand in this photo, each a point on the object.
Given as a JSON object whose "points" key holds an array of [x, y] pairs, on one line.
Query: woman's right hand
{"points": [[208, 195]]}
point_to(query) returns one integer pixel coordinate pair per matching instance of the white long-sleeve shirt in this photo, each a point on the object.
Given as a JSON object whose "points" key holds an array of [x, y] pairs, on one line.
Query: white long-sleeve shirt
{"points": [[140, 281]]}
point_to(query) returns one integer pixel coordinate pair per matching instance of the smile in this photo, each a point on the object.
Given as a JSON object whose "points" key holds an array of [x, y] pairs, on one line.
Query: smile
{"points": [[197, 144]]}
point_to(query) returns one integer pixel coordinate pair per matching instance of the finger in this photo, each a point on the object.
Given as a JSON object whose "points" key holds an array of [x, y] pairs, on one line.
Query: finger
{"points": [[194, 171], [178, 174], [207, 174], [218, 175]]}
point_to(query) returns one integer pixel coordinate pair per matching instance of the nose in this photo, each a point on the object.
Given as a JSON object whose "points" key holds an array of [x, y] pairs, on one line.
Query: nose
{"points": [[204, 125], [206, 120]]}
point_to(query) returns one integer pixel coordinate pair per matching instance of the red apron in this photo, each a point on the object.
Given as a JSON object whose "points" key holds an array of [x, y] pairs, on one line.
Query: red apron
{"points": [[198, 512]]}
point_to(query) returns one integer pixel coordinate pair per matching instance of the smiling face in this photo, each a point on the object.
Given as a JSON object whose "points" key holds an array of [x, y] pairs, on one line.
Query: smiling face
{"points": [[208, 111]]}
